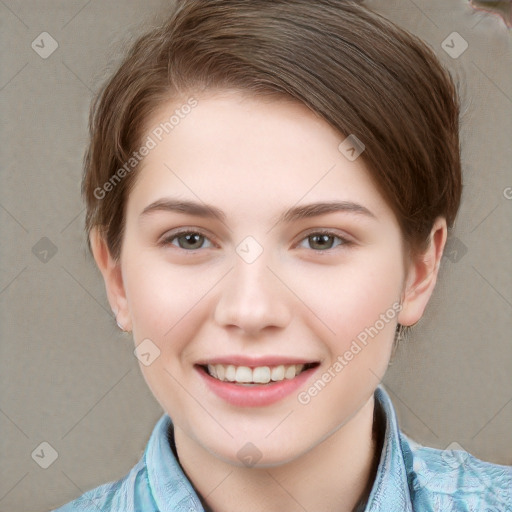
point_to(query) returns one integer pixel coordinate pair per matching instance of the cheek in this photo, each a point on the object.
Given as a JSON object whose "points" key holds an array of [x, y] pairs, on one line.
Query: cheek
{"points": [[358, 306], [165, 306], [345, 300], [161, 294]]}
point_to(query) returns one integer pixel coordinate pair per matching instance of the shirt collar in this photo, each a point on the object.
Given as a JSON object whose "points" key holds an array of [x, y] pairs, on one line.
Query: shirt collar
{"points": [[173, 492], [390, 490], [171, 489]]}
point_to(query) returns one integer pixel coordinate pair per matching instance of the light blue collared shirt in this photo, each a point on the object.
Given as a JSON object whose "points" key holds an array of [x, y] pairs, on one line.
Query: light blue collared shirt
{"points": [[410, 478]]}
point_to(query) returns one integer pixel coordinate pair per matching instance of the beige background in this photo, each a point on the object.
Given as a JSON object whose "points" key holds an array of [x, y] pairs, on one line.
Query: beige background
{"points": [[69, 378]]}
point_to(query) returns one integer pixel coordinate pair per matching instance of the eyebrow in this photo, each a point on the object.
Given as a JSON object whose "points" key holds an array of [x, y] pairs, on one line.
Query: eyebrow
{"points": [[292, 214]]}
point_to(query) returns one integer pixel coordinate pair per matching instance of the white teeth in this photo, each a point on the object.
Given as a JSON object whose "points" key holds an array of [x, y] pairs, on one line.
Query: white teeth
{"points": [[243, 374], [261, 375], [258, 375], [289, 372], [220, 372], [212, 371], [230, 373], [277, 373]]}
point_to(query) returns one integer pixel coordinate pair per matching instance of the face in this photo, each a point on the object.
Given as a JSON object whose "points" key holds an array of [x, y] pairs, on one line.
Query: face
{"points": [[225, 261]]}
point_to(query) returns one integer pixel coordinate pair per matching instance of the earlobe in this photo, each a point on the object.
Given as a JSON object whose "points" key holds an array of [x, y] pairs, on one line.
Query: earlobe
{"points": [[111, 271], [422, 276]]}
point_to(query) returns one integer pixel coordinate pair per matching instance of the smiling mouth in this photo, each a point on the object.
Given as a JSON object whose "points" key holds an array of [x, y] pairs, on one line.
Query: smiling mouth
{"points": [[255, 376]]}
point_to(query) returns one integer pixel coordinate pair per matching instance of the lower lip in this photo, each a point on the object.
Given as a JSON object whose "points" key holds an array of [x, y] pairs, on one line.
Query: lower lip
{"points": [[257, 395]]}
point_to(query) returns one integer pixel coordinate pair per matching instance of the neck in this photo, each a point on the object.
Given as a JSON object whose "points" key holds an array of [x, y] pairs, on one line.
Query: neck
{"points": [[334, 475]]}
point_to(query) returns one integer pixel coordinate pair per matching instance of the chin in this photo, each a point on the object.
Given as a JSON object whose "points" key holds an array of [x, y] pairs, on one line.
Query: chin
{"points": [[257, 454]]}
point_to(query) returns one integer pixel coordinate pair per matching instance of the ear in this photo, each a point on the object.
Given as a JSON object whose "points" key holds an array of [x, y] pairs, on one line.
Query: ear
{"points": [[422, 276], [111, 271]]}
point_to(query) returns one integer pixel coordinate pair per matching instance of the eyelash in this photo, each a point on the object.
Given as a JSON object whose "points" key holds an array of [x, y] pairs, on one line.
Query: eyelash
{"points": [[344, 241]]}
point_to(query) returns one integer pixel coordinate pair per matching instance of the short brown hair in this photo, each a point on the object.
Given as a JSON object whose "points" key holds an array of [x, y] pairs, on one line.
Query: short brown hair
{"points": [[357, 70]]}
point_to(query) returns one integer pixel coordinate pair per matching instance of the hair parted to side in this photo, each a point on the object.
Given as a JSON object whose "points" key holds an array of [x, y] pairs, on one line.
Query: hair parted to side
{"points": [[358, 71]]}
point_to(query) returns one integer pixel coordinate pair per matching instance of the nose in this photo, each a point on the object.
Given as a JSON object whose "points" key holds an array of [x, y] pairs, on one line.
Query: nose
{"points": [[253, 299]]}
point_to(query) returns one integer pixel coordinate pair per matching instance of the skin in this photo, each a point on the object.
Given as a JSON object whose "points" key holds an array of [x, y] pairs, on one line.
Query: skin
{"points": [[254, 158]]}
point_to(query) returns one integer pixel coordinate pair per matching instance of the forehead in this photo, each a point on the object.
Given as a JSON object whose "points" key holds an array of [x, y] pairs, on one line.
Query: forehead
{"points": [[255, 153]]}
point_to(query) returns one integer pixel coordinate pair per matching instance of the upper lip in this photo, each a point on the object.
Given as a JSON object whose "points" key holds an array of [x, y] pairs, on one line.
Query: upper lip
{"points": [[255, 361]]}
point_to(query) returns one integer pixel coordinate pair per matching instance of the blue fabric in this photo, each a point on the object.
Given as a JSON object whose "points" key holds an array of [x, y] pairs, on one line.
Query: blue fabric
{"points": [[410, 478]]}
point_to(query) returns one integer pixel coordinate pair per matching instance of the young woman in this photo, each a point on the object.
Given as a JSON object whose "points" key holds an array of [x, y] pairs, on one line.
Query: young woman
{"points": [[269, 187]]}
